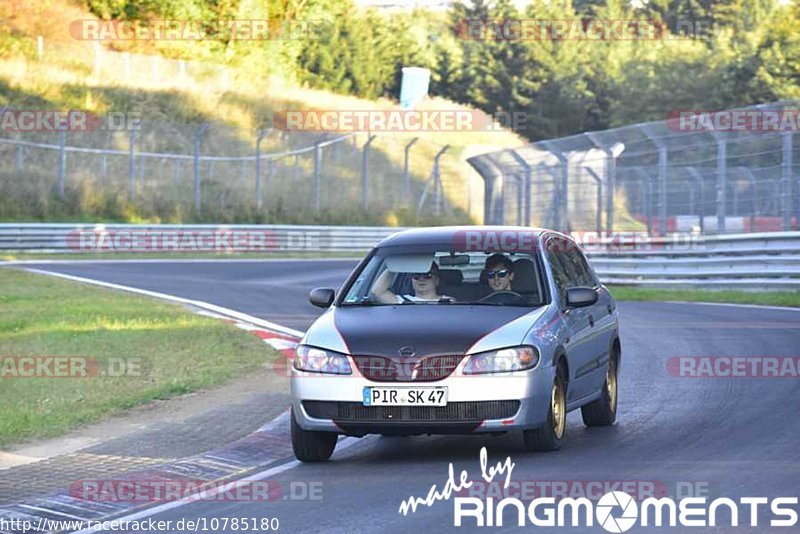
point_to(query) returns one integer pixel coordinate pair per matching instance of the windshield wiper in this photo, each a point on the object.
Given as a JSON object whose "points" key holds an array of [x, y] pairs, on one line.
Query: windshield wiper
{"points": [[363, 301]]}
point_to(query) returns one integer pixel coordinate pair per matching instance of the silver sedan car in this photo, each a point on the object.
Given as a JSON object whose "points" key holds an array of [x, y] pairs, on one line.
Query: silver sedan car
{"points": [[458, 330]]}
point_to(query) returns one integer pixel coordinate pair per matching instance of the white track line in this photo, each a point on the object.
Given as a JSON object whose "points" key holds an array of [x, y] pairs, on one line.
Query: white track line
{"points": [[233, 314], [342, 445]]}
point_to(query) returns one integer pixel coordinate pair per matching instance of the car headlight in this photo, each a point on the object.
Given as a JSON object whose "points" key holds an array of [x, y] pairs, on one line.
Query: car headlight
{"points": [[315, 360], [502, 361]]}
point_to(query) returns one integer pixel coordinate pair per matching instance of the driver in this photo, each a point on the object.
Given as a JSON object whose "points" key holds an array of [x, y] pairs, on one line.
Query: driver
{"points": [[426, 288], [499, 272]]}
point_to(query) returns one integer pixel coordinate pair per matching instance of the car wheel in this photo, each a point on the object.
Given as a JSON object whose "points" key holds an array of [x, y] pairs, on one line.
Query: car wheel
{"points": [[311, 446], [603, 411], [549, 436]]}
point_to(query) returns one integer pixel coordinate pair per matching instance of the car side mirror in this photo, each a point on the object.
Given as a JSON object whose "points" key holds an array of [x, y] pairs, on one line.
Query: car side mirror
{"points": [[580, 297], [321, 297]]}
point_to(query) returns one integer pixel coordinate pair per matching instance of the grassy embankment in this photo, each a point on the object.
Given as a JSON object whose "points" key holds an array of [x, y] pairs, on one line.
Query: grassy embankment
{"points": [[235, 101]]}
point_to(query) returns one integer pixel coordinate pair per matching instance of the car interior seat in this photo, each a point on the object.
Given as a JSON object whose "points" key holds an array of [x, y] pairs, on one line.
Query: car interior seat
{"points": [[525, 280]]}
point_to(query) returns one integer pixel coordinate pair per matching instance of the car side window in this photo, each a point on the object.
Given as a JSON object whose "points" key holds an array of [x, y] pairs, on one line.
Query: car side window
{"points": [[570, 267], [558, 267], [580, 267], [587, 275]]}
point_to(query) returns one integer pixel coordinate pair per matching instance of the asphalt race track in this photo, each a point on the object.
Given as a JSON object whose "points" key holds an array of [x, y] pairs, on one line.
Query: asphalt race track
{"points": [[729, 437]]}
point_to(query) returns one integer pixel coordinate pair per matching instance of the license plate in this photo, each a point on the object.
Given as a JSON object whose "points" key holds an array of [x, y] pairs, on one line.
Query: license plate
{"points": [[405, 396]]}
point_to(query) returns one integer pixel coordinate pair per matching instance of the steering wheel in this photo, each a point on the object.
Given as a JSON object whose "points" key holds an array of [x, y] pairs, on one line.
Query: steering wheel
{"points": [[501, 296]]}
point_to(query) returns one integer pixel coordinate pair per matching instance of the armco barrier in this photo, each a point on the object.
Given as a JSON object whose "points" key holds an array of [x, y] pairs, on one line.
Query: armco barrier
{"points": [[746, 261]]}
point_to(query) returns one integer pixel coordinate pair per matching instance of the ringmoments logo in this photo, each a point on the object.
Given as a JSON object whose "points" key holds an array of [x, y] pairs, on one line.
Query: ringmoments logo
{"points": [[615, 511], [616, 522]]}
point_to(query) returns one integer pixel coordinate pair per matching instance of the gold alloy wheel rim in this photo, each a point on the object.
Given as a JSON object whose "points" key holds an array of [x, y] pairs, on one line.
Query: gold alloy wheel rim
{"points": [[611, 385], [558, 407]]}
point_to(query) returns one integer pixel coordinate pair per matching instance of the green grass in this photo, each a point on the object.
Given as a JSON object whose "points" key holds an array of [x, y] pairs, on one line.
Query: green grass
{"points": [[770, 298], [178, 352]]}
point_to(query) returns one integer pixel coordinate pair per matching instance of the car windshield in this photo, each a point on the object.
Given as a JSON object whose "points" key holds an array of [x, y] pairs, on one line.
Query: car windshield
{"points": [[444, 277]]}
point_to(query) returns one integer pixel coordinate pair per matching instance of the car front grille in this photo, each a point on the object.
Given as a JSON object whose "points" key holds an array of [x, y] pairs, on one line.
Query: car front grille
{"points": [[425, 369], [352, 412]]}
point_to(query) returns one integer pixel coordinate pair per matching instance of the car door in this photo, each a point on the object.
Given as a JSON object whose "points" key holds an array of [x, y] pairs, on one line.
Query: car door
{"points": [[601, 318], [580, 353]]}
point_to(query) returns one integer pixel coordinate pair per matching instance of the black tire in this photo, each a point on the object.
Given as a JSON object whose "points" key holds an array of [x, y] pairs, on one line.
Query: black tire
{"points": [[311, 446], [603, 411], [550, 436]]}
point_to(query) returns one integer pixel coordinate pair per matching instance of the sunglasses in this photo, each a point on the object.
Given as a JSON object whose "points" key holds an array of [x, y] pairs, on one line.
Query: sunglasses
{"points": [[499, 274], [422, 276]]}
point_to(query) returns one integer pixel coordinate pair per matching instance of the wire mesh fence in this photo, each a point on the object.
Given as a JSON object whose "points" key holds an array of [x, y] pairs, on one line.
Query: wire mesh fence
{"points": [[177, 169], [660, 176]]}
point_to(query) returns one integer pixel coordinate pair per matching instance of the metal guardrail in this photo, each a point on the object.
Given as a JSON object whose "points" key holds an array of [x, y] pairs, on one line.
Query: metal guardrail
{"points": [[745, 261]]}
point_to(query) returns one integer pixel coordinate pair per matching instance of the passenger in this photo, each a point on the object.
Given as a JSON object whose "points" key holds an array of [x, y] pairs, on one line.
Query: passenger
{"points": [[499, 272], [426, 288]]}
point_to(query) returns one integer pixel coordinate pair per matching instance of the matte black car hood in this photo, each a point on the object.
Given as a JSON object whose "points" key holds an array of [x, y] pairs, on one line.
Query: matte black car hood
{"points": [[427, 328]]}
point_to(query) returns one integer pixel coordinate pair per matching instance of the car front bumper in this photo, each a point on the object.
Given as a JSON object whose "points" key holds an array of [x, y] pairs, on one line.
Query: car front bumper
{"points": [[532, 388]]}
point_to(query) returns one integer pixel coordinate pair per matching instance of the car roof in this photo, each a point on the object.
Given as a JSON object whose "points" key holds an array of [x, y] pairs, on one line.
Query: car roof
{"points": [[444, 235]]}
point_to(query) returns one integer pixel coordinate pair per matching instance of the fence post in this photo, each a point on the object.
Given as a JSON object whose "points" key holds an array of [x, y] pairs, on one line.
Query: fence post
{"points": [[317, 177], [751, 179], [786, 175], [526, 189], [407, 172], [437, 181], [722, 184], [198, 135], [261, 134], [647, 197], [662, 190], [611, 176], [612, 153], [62, 162], [662, 177], [599, 181], [694, 173], [562, 214], [365, 173], [132, 164]]}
